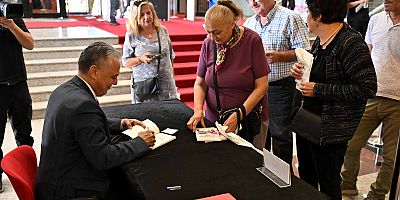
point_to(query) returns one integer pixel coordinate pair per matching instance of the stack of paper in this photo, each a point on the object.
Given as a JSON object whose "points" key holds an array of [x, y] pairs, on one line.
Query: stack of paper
{"points": [[210, 134]]}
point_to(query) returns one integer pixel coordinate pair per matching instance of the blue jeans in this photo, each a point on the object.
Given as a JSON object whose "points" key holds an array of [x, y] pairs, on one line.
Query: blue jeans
{"points": [[280, 97]]}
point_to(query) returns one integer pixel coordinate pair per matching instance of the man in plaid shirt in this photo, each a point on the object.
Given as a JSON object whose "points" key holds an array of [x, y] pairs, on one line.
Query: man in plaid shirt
{"points": [[281, 31]]}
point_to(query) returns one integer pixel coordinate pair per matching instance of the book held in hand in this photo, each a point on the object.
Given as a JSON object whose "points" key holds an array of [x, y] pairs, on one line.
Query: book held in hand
{"points": [[161, 138]]}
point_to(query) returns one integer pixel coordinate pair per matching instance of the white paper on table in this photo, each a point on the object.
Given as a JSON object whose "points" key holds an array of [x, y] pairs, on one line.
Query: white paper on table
{"points": [[277, 170], [170, 131], [277, 166], [305, 58]]}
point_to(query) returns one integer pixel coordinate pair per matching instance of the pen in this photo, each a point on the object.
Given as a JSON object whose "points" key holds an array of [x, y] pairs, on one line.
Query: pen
{"points": [[173, 188]]}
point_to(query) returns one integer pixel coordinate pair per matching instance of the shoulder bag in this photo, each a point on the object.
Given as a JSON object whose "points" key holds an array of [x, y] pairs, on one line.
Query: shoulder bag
{"points": [[307, 125]]}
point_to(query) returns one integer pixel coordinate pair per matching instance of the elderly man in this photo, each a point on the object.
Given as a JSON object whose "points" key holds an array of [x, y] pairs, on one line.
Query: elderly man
{"points": [[281, 31], [77, 152], [383, 40]]}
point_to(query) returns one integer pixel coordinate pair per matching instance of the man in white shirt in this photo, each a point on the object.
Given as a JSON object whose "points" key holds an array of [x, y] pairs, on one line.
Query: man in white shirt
{"points": [[383, 38]]}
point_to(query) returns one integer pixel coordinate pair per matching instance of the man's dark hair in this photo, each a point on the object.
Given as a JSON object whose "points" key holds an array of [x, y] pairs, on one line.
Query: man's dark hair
{"points": [[96, 54], [330, 10]]}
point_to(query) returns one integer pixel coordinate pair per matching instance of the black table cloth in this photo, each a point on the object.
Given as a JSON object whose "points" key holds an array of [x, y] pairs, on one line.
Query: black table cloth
{"points": [[200, 169]]}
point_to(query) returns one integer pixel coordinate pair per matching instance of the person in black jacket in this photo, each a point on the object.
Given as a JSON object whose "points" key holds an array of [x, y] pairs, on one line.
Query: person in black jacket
{"points": [[15, 100], [342, 78], [76, 152]]}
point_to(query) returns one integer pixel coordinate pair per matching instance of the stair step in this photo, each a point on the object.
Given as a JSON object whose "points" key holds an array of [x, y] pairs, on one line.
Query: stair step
{"points": [[185, 80], [186, 56], [57, 52], [39, 108], [71, 36], [186, 94], [179, 46], [51, 65], [42, 93], [186, 37], [56, 78], [185, 68], [63, 42]]}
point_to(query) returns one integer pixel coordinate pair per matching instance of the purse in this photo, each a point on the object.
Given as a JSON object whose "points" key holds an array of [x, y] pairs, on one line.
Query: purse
{"points": [[307, 125], [250, 125], [150, 87]]}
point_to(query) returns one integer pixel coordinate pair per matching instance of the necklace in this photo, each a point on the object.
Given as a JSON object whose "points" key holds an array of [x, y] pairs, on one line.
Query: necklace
{"points": [[333, 34]]}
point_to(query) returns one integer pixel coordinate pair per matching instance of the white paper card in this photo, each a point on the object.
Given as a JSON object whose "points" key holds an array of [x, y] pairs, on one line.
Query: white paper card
{"points": [[170, 131], [277, 167]]}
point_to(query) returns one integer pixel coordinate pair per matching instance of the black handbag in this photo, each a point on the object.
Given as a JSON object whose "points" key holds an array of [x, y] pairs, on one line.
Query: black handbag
{"points": [[307, 125], [150, 87], [251, 124]]}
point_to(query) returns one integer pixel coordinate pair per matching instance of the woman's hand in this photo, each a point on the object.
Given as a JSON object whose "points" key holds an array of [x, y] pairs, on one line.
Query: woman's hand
{"points": [[297, 70], [195, 119], [231, 122], [307, 88], [146, 58]]}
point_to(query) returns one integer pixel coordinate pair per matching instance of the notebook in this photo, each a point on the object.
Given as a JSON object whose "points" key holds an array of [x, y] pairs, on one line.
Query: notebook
{"points": [[161, 138]]}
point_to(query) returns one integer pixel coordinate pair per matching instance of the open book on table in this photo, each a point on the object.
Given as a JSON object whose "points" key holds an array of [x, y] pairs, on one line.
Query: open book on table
{"points": [[161, 138]]}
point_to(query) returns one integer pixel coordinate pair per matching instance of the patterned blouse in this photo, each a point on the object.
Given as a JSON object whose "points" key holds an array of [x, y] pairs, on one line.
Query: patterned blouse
{"points": [[138, 45]]}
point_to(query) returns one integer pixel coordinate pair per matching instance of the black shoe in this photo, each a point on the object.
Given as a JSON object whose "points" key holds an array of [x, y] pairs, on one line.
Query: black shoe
{"points": [[114, 23]]}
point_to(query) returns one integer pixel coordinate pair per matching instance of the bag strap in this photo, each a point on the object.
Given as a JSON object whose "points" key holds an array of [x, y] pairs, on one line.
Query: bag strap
{"points": [[219, 109], [159, 52]]}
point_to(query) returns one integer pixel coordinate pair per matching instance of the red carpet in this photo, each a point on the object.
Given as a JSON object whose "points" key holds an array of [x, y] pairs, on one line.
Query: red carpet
{"points": [[178, 29]]}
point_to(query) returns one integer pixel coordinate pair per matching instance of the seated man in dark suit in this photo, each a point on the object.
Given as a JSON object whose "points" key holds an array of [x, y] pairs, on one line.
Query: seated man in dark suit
{"points": [[77, 153]]}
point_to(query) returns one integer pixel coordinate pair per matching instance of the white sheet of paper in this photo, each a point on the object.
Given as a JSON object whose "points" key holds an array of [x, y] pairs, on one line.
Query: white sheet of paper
{"points": [[170, 131], [305, 58], [235, 138], [277, 166]]}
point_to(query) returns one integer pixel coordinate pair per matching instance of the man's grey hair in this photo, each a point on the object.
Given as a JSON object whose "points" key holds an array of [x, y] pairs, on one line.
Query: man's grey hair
{"points": [[97, 53]]}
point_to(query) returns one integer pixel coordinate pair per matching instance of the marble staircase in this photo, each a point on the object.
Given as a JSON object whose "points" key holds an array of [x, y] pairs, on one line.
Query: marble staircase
{"points": [[54, 61]]}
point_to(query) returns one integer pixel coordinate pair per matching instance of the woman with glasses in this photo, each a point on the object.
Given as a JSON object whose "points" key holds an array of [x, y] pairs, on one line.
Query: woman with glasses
{"points": [[240, 69], [148, 52]]}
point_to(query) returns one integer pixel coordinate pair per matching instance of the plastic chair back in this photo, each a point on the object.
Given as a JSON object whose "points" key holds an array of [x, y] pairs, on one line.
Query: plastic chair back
{"points": [[20, 165]]}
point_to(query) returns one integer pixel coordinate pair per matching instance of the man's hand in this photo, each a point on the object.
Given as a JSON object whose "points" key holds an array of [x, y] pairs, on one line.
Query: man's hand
{"points": [[272, 56], [148, 137], [6, 23], [128, 123]]}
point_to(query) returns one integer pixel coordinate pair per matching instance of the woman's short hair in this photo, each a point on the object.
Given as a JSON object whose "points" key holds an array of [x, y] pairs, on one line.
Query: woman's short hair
{"points": [[224, 10], [330, 10], [97, 53], [133, 21]]}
